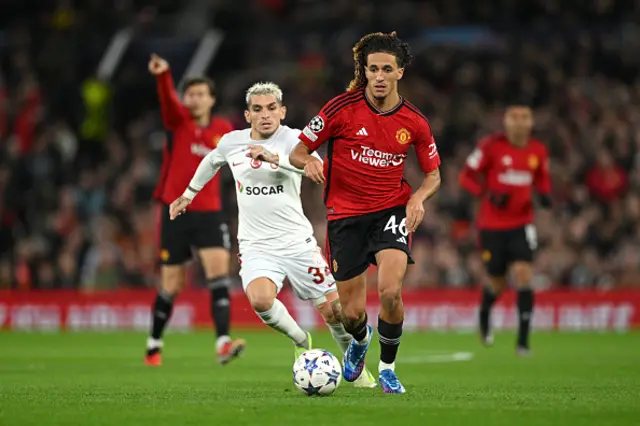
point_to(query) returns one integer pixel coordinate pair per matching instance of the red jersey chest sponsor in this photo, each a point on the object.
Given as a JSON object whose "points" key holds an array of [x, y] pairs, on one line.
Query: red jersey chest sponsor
{"points": [[366, 165], [512, 171]]}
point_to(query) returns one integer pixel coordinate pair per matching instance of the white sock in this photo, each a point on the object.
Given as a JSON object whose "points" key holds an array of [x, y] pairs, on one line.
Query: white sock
{"points": [[341, 337], [221, 341], [279, 318], [153, 343], [385, 366]]}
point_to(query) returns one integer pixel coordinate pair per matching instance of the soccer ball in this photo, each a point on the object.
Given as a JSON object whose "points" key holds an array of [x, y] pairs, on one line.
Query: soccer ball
{"points": [[317, 372]]}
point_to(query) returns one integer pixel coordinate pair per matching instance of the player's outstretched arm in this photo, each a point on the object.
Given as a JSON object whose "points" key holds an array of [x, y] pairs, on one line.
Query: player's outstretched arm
{"points": [[415, 206], [206, 170], [301, 158], [173, 112]]}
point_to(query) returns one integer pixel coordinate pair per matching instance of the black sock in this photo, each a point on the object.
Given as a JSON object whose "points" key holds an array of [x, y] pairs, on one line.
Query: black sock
{"points": [[162, 308], [488, 299], [220, 305], [358, 329], [389, 336], [525, 312]]}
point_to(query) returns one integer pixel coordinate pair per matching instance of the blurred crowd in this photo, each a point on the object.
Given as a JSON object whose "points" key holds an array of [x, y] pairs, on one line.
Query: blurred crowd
{"points": [[80, 155]]}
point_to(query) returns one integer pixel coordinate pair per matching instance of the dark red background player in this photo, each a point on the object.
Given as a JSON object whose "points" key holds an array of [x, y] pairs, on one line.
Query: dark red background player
{"points": [[371, 209], [192, 133], [504, 170]]}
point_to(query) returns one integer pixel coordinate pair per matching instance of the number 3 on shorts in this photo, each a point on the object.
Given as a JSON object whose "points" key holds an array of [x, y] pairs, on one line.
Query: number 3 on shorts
{"points": [[318, 276], [531, 235], [395, 228]]}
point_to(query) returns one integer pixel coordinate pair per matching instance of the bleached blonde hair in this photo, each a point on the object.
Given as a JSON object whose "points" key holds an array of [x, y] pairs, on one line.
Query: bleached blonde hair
{"points": [[264, 88]]}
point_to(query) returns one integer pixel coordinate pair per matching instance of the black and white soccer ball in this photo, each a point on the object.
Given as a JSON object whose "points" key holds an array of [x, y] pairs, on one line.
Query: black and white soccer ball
{"points": [[316, 124], [317, 372]]}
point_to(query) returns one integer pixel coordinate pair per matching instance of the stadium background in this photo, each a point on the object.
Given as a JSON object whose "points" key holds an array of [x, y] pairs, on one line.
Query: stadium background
{"points": [[81, 140]]}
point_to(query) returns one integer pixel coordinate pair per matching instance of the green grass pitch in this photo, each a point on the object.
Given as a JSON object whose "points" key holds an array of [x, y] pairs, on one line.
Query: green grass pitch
{"points": [[99, 379]]}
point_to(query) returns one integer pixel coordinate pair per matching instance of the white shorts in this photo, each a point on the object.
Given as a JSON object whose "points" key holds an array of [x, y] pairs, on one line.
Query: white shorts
{"points": [[308, 271]]}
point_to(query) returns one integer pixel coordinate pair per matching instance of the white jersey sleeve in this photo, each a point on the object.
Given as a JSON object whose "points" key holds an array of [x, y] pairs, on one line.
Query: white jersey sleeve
{"points": [[208, 168]]}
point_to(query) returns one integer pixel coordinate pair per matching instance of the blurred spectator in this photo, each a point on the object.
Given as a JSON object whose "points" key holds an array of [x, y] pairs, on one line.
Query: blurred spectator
{"points": [[79, 156], [606, 180]]}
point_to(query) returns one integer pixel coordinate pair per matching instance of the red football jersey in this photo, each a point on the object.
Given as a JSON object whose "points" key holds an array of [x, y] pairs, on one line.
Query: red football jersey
{"points": [[366, 152], [187, 144], [497, 166]]}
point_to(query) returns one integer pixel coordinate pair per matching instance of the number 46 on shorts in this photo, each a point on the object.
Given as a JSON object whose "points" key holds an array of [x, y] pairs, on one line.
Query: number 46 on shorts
{"points": [[397, 229]]}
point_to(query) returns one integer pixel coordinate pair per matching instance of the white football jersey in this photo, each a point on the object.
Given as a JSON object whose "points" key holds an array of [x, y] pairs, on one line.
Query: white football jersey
{"points": [[270, 215]]}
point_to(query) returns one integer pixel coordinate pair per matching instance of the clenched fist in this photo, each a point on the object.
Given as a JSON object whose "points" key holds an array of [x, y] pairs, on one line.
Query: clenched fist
{"points": [[157, 65]]}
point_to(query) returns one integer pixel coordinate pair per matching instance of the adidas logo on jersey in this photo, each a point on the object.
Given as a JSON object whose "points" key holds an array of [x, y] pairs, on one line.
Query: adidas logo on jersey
{"points": [[362, 132], [402, 240]]}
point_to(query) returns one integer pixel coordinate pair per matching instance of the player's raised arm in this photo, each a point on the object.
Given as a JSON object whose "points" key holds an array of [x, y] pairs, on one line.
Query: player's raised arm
{"points": [[207, 169], [173, 112], [429, 160]]}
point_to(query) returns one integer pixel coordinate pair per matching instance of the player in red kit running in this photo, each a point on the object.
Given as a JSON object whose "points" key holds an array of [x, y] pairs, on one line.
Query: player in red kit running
{"points": [[192, 133], [503, 171], [371, 210]]}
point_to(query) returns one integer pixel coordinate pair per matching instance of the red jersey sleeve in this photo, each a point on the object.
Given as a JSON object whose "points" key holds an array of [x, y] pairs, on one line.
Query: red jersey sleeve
{"points": [[224, 126], [542, 178], [474, 171], [325, 125], [426, 149], [173, 112]]}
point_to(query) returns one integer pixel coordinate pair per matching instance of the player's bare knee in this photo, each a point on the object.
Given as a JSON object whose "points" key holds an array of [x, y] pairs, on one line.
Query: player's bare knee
{"points": [[215, 261], [390, 297], [497, 284], [352, 313], [173, 279], [522, 274], [261, 294], [261, 302]]}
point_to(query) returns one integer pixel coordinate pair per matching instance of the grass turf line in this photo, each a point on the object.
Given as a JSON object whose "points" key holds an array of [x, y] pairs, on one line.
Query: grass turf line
{"points": [[99, 379]]}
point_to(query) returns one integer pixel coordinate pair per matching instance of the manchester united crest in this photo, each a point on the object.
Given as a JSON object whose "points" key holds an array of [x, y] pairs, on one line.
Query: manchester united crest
{"points": [[335, 266], [533, 162], [403, 136]]}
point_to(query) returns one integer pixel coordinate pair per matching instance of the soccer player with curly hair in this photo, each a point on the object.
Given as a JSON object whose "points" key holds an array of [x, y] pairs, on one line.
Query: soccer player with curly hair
{"points": [[371, 209]]}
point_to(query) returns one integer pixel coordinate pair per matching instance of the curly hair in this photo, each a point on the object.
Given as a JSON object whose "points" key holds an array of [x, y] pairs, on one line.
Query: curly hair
{"points": [[377, 43]]}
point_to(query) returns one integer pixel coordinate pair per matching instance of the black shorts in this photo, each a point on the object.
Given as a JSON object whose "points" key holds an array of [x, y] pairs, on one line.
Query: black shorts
{"points": [[354, 241], [500, 248], [188, 231]]}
